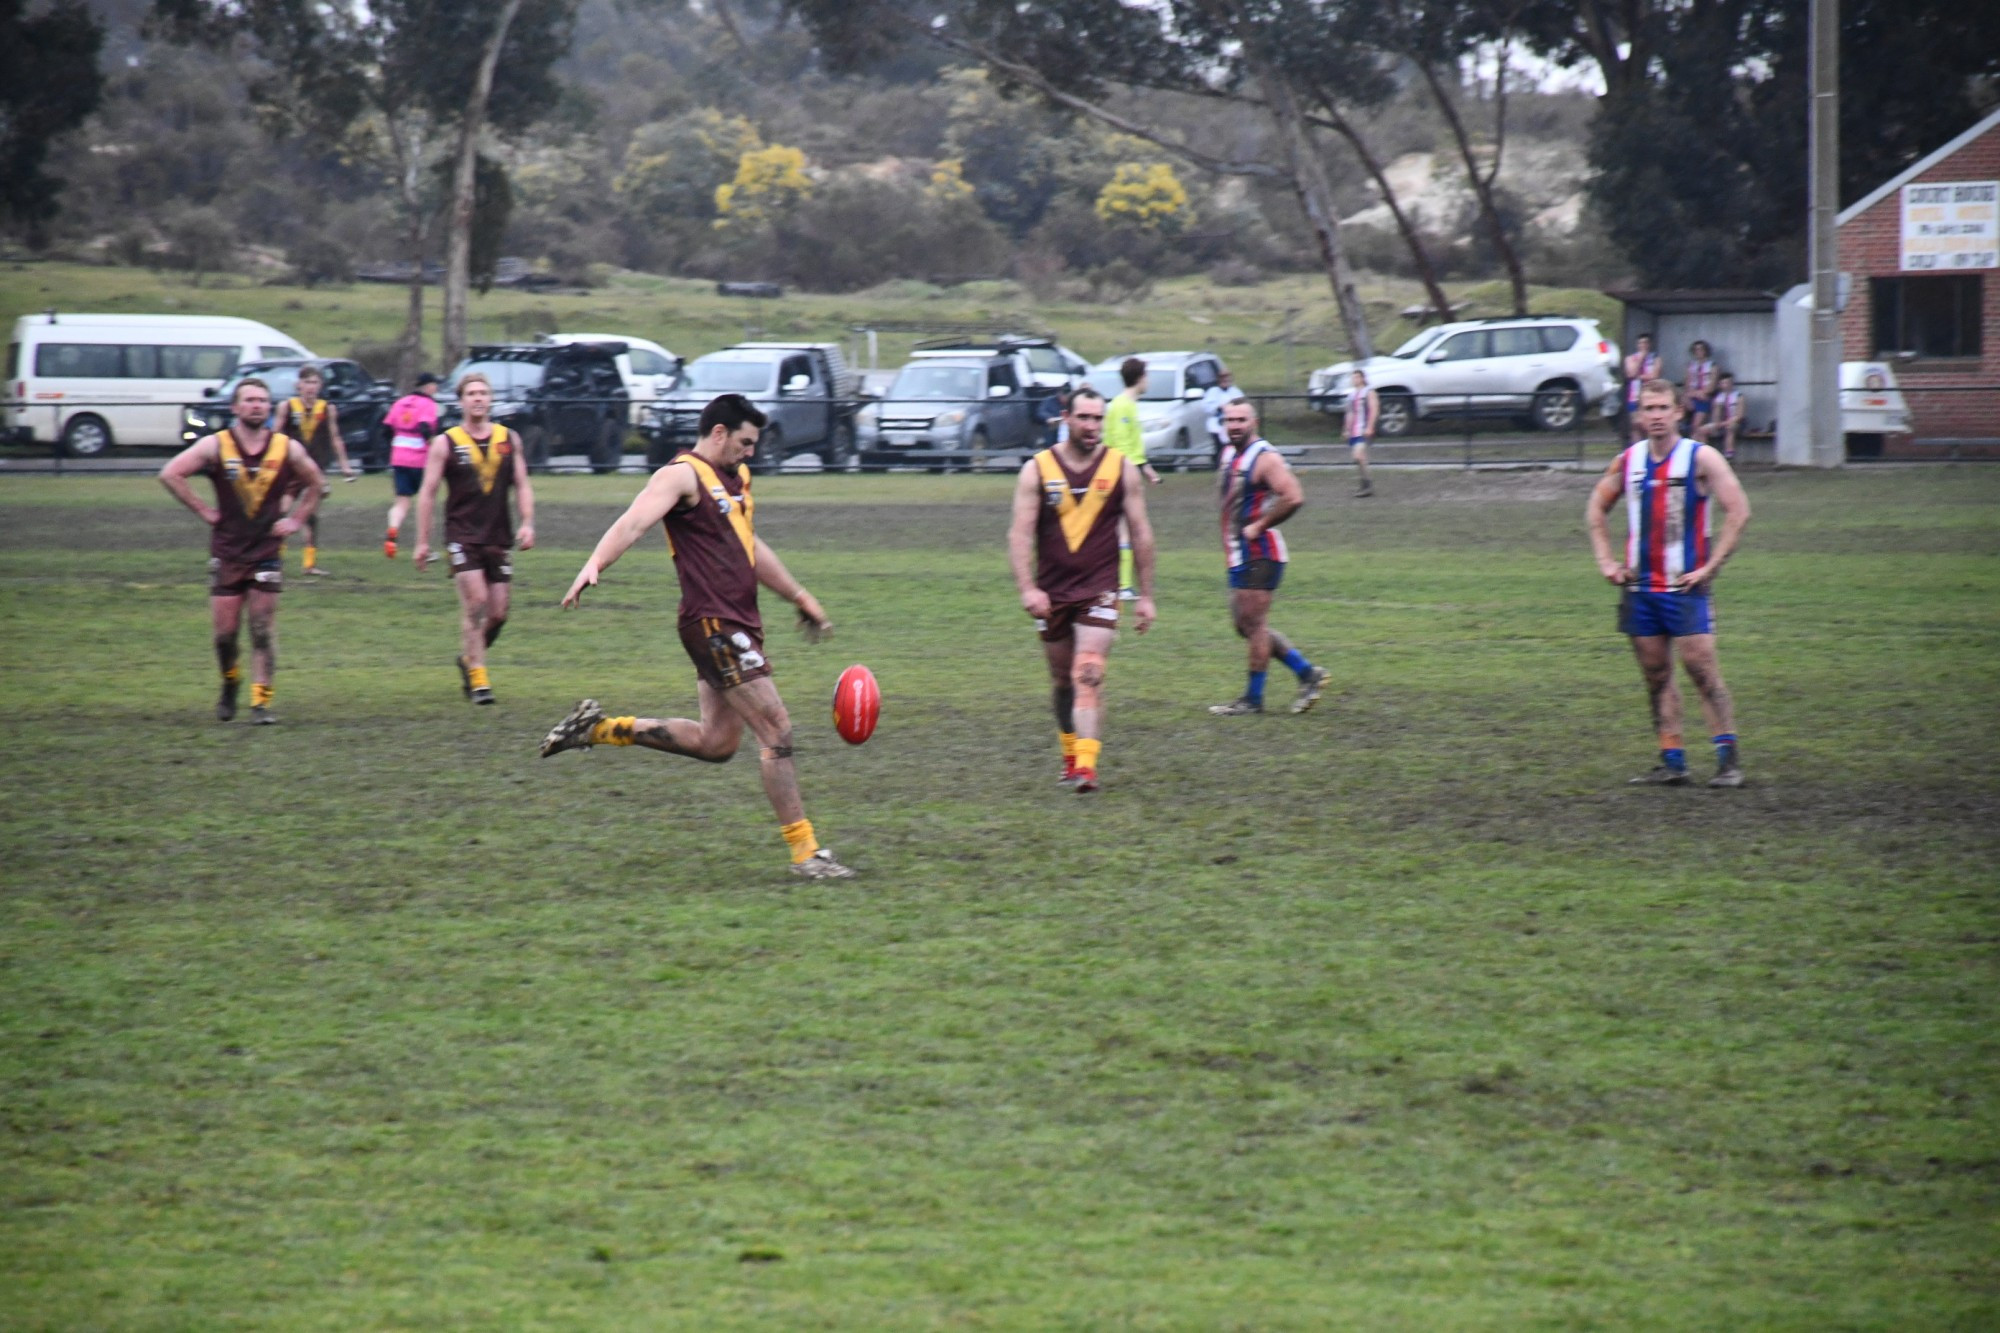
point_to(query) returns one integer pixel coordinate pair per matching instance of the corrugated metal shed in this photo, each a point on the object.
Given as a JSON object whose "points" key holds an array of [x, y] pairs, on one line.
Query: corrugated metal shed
{"points": [[1741, 325]]}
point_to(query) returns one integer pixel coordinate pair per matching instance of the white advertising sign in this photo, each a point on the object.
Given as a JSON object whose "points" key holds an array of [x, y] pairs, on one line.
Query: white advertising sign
{"points": [[1951, 225]]}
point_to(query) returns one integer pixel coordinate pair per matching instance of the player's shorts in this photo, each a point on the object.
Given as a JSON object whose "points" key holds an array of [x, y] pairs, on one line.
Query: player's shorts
{"points": [[232, 578], [1673, 615], [1257, 575], [409, 480], [725, 653], [495, 562], [1357, 441], [1100, 612], [1698, 405]]}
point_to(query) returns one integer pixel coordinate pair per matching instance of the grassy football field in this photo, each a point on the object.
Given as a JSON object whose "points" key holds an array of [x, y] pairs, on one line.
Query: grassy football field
{"points": [[1407, 1013]]}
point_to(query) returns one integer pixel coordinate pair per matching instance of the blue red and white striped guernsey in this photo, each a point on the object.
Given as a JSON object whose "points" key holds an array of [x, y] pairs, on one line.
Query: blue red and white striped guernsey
{"points": [[1666, 516], [1243, 501]]}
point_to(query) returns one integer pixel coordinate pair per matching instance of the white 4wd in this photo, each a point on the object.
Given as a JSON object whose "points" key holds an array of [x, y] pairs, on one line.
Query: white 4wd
{"points": [[1547, 369]]}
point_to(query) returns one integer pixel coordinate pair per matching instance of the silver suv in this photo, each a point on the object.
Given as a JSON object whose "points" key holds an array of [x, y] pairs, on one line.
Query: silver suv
{"points": [[1545, 368]]}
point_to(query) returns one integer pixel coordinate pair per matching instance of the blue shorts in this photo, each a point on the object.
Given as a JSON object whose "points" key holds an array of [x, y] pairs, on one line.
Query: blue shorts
{"points": [[1697, 405], [1257, 575], [1356, 441], [1673, 615], [409, 480]]}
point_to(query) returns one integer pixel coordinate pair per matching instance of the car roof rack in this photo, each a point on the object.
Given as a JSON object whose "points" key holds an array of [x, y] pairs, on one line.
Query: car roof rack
{"points": [[1510, 319]]}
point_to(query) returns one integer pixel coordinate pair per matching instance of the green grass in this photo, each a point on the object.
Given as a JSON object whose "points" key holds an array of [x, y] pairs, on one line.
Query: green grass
{"points": [[1247, 325], [1404, 1014]]}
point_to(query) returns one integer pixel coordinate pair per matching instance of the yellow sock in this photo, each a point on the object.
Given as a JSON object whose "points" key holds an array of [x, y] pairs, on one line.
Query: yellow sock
{"points": [[312, 556], [611, 731], [1068, 744], [478, 677], [233, 674], [799, 837], [260, 694], [1087, 751], [1127, 566]]}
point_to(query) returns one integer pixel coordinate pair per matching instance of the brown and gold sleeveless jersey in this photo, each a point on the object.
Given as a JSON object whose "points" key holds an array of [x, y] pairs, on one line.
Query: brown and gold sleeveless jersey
{"points": [[714, 547], [1076, 529], [478, 479], [250, 494], [312, 427]]}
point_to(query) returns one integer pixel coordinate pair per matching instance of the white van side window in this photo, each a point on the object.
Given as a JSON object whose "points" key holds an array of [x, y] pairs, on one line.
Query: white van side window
{"points": [[97, 361]]}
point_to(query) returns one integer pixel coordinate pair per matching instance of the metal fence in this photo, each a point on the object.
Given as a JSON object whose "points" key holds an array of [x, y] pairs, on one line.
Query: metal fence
{"points": [[1555, 429]]}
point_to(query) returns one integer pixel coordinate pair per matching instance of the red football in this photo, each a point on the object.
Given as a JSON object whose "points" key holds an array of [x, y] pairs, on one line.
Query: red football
{"points": [[857, 704]]}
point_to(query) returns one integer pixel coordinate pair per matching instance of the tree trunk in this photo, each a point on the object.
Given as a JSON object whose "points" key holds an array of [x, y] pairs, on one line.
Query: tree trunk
{"points": [[1315, 191], [458, 236], [1482, 183], [407, 143], [1420, 254]]}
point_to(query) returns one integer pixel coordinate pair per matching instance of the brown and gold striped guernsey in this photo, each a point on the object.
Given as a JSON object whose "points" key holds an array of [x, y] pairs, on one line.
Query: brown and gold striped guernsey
{"points": [[250, 495], [478, 479], [311, 427], [1076, 528], [714, 546]]}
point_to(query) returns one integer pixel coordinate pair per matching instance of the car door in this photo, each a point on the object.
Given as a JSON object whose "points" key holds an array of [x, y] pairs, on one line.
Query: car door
{"points": [[1005, 412], [1520, 363], [803, 419], [571, 417], [1456, 372], [1203, 373]]}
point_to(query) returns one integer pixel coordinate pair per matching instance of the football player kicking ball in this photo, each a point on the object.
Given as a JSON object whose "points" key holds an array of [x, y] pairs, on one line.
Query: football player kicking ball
{"points": [[703, 498], [1669, 483], [1063, 545], [479, 462]]}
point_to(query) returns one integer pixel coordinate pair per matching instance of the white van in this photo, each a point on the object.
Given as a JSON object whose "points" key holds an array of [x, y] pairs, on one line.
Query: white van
{"points": [[88, 382], [647, 368]]}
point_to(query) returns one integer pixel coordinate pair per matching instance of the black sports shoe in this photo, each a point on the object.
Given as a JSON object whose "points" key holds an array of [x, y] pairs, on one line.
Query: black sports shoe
{"points": [[262, 717], [225, 703], [481, 694], [1660, 775], [464, 679], [1237, 708], [573, 732], [1729, 775]]}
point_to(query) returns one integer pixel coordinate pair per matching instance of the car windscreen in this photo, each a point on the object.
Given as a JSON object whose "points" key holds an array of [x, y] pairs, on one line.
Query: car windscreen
{"points": [[1161, 385], [728, 377], [1417, 344], [282, 381], [510, 379], [938, 383]]}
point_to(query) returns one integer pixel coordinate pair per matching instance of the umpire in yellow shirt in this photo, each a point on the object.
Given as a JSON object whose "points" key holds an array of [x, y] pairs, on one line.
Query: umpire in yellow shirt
{"points": [[1122, 432]]}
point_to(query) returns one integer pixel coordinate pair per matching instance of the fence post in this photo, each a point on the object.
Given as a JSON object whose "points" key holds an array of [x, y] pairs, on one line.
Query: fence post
{"points": [[1465, 414]]}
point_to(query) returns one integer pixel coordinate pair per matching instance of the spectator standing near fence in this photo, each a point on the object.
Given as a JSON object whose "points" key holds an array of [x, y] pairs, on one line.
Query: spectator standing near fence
{"points": [[411, 422], [1640, 365], [315, 423], [1220, 395], [1364, 406], [1725, 416], [1124, 435], [1699, 386]]}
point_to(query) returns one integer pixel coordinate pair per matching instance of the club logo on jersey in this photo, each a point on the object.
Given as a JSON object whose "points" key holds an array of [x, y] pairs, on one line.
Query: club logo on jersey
{"points": [[1054, 492], [721, 499], [1103, 483]]}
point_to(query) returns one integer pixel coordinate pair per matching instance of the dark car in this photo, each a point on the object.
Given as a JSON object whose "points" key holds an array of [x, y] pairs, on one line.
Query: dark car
{"points": [[361, 399], [561, 398]]}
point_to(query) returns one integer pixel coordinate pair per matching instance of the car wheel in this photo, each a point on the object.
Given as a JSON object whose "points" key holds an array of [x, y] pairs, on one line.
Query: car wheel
{"points": [[981, 442], [840, 455], [1557, 407], [610, 444], [86, 436], [770, 455], [1397, 417]]}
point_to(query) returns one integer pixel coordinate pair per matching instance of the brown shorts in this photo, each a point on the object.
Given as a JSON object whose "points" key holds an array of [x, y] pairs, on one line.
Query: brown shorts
{"points": [[230, 578], [495, 562], [725, 653], [1100, 611]]}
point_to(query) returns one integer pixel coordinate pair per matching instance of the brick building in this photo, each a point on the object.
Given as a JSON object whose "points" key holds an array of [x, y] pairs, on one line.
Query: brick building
{"points": [[1925, 263]]}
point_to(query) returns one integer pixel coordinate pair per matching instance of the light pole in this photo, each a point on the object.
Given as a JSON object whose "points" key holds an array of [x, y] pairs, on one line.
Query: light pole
{"points": [[1823, 146]]}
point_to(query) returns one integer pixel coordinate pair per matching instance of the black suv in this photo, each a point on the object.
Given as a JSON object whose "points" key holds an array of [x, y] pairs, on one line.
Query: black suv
{"points": [[361, 399], [561, 398]]}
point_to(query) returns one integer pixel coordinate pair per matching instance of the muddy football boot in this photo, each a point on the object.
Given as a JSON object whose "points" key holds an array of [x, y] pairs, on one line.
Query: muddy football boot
{"points": [[482, 694], [1236, 708], [225, 703], [573, 732], [1729, 775], [1310, 687], [821, 865], [262, 717], [1660, 775]]}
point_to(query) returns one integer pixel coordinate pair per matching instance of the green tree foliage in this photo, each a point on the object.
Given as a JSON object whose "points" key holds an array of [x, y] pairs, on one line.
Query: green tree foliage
{"points": [[672, 167], [49, 83]]}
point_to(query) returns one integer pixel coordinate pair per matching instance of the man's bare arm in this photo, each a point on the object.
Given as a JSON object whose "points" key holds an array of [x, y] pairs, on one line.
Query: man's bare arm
{"points": [[1602, 497], [524, 536], [1021, 536], [435, 459], [1140, 525], [307, 497], [1713, 472], [188, 463], [670, 486], [1286, 494], [339, 441]]}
